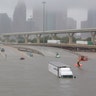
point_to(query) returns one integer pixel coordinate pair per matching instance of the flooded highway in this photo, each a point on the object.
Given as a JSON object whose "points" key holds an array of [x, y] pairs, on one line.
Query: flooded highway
{"points": [[30, 77]]}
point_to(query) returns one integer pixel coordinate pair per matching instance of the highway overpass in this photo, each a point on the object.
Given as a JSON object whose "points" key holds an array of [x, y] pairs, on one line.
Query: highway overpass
{"points": [[53, 34]]}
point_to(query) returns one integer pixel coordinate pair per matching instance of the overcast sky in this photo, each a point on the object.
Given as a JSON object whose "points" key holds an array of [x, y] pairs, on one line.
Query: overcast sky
{"points": [[60, 3], [77, 8]]}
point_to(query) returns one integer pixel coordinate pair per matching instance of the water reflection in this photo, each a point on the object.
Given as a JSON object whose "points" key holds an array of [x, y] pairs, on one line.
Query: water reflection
{"points": [[66, 87]]}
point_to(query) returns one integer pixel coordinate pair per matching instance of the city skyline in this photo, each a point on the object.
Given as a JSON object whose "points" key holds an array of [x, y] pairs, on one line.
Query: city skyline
{"points": [[19, 23], [70, 13], [9, 6], [76, 14]]}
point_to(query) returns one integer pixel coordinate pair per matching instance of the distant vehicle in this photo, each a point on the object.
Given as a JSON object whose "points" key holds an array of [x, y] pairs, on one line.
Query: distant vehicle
{"points": [[60, 70], [22, 58], [2, 50], [57, 55], [84, 42], [53, 41], [81, 42], [30, 54]]}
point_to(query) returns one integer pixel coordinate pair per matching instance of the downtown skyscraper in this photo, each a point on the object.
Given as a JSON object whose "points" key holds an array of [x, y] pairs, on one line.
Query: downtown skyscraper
{"points": [[19, 17]]}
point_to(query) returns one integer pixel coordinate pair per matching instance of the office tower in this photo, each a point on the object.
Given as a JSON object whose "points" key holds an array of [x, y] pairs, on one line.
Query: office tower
{"points": [[5, 23], [19, 17], [38, 19], [53, 20], [30, 24], [71, 23], [61, 20], [92, 18], [90, 23]]}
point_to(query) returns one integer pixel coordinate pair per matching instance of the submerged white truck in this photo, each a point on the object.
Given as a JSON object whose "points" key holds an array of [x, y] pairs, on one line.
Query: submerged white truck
{"points": [[60, 70]]}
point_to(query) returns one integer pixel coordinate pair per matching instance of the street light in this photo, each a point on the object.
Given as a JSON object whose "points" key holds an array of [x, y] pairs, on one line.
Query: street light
{"points": [[44, 18]]}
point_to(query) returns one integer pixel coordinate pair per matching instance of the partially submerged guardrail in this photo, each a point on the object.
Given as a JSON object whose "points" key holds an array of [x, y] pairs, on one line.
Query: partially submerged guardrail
{"points": [[29, 50]]}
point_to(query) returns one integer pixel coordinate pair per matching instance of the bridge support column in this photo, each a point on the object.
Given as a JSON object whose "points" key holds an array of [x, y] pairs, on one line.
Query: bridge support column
{"points": [[26, 38], [93, 34], [6, 39], [38, 38], [70, 35], [53, 36], [16, 39]]}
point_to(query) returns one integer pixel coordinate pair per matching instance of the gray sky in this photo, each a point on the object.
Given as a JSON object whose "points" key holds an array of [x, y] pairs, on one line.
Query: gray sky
{"points": [[77, 8], [51, 3]]}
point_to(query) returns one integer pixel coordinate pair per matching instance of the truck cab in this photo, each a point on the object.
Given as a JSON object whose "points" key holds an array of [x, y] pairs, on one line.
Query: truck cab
{"points": [[65, 72]]}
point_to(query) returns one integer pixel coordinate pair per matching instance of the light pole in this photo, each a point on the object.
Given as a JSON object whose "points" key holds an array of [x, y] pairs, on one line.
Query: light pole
{"points": [[44, 15]]}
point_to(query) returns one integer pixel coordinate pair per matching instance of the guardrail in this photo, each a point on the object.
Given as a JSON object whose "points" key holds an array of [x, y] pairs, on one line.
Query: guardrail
{"points": [[29, 50], [72, 47]]}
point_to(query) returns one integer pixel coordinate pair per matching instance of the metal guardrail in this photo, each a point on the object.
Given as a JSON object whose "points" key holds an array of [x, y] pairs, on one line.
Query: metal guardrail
{"points": [[29, 50], [72, 47]]}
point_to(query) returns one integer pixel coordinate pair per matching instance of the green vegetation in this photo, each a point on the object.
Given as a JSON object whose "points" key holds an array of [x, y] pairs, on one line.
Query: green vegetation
{"points": [[44, 39]]}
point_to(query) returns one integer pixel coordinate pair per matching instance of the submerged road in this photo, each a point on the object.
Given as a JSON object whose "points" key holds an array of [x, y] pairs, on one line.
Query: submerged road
{"points": [[30, 77]]}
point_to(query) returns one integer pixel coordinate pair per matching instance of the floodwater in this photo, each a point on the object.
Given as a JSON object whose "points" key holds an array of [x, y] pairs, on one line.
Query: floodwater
{"points": [[30, 77]]}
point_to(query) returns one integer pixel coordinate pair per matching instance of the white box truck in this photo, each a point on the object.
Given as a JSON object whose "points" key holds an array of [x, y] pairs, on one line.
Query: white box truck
{"points": [[53, 41], [81, 42], [59, 69]]}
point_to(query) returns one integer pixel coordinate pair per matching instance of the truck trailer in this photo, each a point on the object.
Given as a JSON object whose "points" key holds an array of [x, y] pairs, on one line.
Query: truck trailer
{"points": [[60, 69], [53, 41]]}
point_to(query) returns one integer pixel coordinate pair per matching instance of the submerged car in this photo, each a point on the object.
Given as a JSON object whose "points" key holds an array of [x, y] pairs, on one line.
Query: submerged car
{"points": [[22, 58], [57, 55], [2, 50]]}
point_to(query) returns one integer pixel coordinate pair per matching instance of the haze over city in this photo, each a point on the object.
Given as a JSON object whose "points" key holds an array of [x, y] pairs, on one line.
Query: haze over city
{"points": [[9, 5], [60, 15]]}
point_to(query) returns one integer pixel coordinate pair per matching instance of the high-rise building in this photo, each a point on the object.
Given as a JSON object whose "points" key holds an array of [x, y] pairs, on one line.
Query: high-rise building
{"points": [[61, 20], [92, 18], [56, 20], [84, 24], [5, 23], [71, 23], [30, 24], [90, 23], [53, 20], [38, 19], [19, 18]]}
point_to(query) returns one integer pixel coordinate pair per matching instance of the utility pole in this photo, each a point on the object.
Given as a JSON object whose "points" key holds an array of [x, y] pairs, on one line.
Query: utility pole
{"points": [[44, 17]]}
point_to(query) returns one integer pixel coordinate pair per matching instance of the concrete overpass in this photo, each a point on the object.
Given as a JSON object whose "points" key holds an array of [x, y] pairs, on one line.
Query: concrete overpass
{"points": [[53, 34]]}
